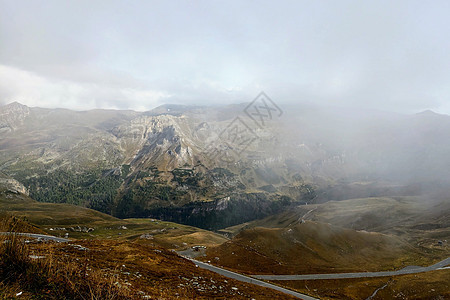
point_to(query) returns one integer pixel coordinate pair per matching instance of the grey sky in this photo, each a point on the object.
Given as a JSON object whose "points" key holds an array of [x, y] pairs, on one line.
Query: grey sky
{"points": [[389, 55]]}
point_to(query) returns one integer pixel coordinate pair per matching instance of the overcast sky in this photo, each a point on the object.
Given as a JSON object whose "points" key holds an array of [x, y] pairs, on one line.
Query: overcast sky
{"points": [[388, 55]]}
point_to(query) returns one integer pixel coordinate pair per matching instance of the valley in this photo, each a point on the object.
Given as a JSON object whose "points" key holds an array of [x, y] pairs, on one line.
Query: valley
{"points": [[274, 249], [224, 150], [142, 187]]}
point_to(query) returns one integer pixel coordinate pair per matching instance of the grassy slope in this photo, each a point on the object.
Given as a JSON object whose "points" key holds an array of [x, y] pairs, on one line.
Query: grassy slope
{"points": [[50, 214], [396, 215], [309, 247], [63, 217], [108, 269], [118, 261], [429, 285], [313, 247], [418, 221]]}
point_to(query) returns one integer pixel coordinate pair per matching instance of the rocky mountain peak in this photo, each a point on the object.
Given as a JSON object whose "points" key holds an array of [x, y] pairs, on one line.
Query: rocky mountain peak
{"points": [[427, 112], [12, 116], [14, 107], [165, 140], [15, 104]]}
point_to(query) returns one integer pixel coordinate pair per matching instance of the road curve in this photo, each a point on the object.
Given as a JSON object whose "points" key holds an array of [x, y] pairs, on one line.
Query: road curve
{"points": [[254, 278], [404, 271], [248, 279], [223, 272], [38, 236]]}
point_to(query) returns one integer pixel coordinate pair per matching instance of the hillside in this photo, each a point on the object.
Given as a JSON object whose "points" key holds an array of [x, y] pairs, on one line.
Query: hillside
{"points": [[429, 285], [377, 233], [418, 219], [312, 247], [49, 214], [107, 258], [78, 222], [108, 269]]}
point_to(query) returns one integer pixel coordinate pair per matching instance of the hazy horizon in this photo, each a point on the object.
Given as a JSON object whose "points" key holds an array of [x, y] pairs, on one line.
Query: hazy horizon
{"points": [[218, 105], [83, 55]]}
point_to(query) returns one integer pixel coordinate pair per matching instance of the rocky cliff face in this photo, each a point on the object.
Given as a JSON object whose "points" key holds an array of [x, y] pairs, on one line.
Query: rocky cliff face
{"points": [[12, 185], [164, 141]]}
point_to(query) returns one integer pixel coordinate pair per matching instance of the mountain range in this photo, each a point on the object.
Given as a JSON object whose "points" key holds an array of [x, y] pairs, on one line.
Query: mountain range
{"points": [[215, 167]]}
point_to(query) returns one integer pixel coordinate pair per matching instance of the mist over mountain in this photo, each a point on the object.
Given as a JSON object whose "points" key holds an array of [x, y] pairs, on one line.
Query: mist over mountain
{"points": [[148, 148], [165, 163]]}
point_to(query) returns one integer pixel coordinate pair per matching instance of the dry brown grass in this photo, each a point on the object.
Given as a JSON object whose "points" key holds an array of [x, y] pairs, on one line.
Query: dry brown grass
{"points": [[10, 223], [48, 277], [108, 269], [429, 285], [314, 247], [161, 274]]}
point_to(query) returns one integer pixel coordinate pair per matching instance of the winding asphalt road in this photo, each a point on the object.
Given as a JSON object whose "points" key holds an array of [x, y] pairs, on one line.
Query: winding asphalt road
{"points": [[248, 279], [404, 271], [220, 271], [38, 236], [254, 278]]}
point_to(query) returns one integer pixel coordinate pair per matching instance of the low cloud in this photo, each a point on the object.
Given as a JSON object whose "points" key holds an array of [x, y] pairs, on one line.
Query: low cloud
{"points": [[111, 54], [33, 90]]}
